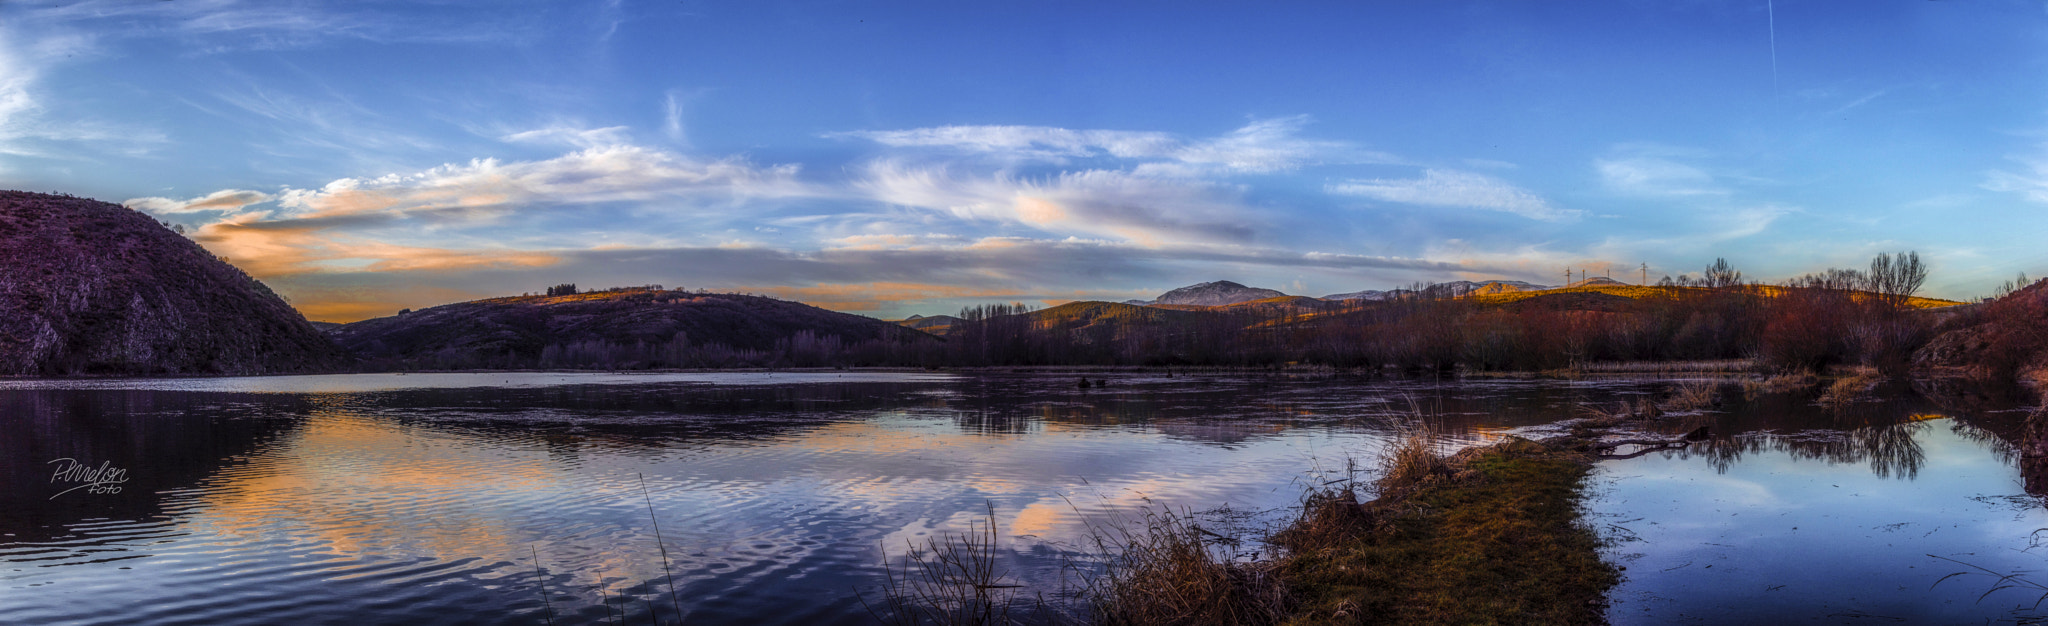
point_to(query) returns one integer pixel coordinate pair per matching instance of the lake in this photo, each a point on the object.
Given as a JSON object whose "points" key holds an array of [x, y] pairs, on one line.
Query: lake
{"points": [[778, 497]]}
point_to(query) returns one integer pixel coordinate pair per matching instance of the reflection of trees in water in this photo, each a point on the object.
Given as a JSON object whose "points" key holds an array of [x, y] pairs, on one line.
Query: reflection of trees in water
{"points": [[1993, 415], [1891, 449], [1882, 434], [1972, 432]]}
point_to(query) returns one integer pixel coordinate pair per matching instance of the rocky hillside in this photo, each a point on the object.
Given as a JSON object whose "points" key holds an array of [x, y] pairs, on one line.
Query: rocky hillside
{"points": [[90, 287], [627, 329], [2000, 339], [1218, 293]]}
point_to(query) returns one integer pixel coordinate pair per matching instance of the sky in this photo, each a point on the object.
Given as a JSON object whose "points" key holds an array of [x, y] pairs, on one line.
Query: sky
{"points": [[898, 158]]}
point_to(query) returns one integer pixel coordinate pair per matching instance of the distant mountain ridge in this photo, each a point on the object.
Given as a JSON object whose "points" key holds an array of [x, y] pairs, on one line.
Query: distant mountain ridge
{"points": [[1454, 288], [89, 287], [1217, 293]]}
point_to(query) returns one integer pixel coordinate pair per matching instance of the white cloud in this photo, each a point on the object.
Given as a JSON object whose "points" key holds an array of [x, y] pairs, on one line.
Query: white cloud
{"points": [[1263, 146], [1028, 142], [672, 117], [571, 135], [225, 25], [2032, 183], [1457, 189], [600, 174], [1655, 176], [1130, 207], [1750, 221], [27, 126], [16, 102], [226, 200]]}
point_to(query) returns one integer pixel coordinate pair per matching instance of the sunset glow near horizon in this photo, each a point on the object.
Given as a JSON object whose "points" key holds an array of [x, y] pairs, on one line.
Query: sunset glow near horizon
{"points": [[897, 158]]}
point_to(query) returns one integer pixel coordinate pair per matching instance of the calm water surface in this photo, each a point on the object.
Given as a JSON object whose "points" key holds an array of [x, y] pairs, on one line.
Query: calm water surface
{"points": [[386, 499]]}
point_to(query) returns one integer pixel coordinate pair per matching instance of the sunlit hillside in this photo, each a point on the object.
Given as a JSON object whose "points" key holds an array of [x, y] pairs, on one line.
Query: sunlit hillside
{"points": [[1083, 314], [1639, 292]]}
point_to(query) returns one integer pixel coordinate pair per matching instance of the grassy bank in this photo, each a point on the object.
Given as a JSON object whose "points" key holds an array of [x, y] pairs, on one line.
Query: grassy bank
{"points": [[1489, 536]]}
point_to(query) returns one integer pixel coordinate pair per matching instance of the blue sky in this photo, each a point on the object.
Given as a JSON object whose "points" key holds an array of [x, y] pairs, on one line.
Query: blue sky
{"points": [[898, 158]]}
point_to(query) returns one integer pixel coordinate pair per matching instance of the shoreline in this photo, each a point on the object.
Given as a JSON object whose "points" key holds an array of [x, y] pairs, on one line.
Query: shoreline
{"points": [[1734, 366]]}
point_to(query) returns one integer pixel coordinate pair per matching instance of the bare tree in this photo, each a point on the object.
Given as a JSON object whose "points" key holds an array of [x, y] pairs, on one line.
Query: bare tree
{"points": [[1721, 275], [1896, 278]]}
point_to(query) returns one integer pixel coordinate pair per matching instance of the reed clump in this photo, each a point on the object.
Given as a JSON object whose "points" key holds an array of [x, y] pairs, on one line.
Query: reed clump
{"points": [[952, 580], [1164, 569], [1410, 462]]}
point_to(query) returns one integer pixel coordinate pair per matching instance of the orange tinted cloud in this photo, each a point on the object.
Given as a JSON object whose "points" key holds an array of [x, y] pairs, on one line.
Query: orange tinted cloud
{"points": [[281, 252], [284, 248]]}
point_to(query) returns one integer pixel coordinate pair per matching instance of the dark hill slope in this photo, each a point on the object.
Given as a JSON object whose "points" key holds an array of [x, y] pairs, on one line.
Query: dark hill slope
{"points": [[627, 329], [88, 287]]}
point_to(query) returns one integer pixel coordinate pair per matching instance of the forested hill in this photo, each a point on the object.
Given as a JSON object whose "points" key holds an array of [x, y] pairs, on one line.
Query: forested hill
{"points": [[636, 328], [88, 287]]}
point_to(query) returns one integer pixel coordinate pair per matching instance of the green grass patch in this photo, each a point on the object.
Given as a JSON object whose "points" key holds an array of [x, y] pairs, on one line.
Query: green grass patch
{"points": [[1499, 542]]}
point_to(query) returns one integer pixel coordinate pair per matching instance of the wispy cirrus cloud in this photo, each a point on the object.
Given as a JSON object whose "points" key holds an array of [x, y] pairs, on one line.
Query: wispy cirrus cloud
{"points": [[1262, 146], [225, 25], [2031, 182], [225, 200], [1112, 203], [1455, 188], [615, 173], [571, 135], [356, 224], [1653, 170], [30, 128]]}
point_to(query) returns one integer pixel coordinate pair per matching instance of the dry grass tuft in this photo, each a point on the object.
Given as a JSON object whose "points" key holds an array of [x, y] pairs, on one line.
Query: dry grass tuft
{"points": [[1851, 386], [1691, 395], [1780, 383], [1410, 462], [1163, 570]]}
